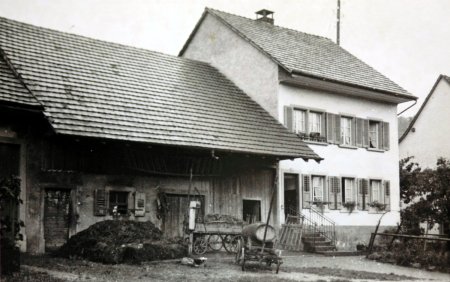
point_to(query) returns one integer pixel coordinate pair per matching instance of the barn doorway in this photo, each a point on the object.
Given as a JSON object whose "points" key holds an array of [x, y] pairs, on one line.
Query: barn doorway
{"points": [[174, 220], [291, 194], [57, 214]]}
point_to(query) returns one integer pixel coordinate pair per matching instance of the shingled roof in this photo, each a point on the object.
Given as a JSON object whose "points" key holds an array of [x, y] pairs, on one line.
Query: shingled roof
{"points": [[306, 54], [11, 88], [100, 89]]}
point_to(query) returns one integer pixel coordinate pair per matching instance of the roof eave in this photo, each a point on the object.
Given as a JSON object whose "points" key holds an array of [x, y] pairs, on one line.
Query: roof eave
{"points": [[326, 83]]}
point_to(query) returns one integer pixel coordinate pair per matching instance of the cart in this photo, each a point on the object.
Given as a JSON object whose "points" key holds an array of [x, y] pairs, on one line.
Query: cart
{"points": [[252, 249], [215, 235]]}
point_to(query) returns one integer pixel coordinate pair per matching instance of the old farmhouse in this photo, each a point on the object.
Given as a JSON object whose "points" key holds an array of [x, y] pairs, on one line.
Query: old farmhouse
{"points": [[90, 125], [342, 108]]}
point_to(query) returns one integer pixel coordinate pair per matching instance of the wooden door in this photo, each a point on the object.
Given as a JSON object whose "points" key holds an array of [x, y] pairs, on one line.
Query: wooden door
{"points": [[57, 212], [291, 206], [178, 208]]}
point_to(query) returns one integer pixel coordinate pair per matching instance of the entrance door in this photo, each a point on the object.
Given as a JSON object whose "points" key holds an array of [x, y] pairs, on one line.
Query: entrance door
{"points": [[57, 210], [291, 194], [178, 206]]}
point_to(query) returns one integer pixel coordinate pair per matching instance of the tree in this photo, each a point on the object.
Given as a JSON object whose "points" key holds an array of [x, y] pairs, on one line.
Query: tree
{"points": [[426, 193]]}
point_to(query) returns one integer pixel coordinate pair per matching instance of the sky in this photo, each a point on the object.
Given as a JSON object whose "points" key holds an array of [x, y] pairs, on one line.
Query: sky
{"points": [[406, 40]]}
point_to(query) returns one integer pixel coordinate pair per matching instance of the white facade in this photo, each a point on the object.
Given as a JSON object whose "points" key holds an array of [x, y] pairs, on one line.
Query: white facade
{"points": [[346, 162], [426, 139]]}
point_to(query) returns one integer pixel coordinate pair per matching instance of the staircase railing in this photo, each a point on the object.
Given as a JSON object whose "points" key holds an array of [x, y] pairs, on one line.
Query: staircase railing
{"points": [[317, 223]]}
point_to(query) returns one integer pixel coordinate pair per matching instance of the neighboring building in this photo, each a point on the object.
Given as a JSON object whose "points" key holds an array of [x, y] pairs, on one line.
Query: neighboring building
{"points": [[424, 139], [342, 108], [92, 127]]}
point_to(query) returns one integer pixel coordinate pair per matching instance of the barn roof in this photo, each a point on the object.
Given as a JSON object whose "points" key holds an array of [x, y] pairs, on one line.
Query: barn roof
{"points": [[101, 89], [12, 89], [306, 54]]}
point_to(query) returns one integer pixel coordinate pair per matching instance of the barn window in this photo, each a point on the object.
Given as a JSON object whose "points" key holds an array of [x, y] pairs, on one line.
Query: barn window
{"points": [[118, 201], [251, 211]]}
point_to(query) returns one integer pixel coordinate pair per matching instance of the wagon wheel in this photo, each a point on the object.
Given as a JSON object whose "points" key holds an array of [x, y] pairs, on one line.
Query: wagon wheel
{"points": [[231, 243], [200, 245], [215, 242]]}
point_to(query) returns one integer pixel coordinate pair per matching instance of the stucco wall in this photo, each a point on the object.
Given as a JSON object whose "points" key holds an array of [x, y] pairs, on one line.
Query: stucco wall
{"points": [[344, 162], [429, 139], [247, 67]]}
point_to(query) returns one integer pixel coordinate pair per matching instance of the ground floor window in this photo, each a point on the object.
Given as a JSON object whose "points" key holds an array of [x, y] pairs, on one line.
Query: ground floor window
{"points": [[251, 211], [118, 202], [318, 188], [375, 191], [348, 190]]}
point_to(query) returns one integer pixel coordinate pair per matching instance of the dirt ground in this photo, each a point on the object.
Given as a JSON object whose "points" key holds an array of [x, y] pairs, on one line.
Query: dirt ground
{"points": [[221, 267]]}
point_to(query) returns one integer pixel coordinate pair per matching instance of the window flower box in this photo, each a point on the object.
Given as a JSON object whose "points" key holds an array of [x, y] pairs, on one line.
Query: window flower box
{"points": [[376, 207]]}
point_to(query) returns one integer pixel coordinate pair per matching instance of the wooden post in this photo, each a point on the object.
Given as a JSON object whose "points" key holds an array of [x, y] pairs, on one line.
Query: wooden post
{"points": [[275, 187], [191, 243]]}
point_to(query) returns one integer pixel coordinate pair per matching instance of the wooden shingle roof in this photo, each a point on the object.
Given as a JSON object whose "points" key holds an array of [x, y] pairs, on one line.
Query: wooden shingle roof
{"points": [[307, 54], [11, 88], [100, 89]]}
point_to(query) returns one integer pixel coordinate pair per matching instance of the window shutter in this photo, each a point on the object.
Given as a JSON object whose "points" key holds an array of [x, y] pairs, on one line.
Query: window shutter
{"points": [[139, 204], [289, 118], [387, 194], [337, 129], [323, 132], [353, 132], [366, 133], [359, 132], [100, 205], [363, 194], [330, 127], [335, 193], [306, 197], [385, 126]]}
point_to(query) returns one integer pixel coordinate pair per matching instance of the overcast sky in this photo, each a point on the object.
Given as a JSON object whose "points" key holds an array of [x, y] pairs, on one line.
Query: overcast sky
{"points": [[406, 40]]}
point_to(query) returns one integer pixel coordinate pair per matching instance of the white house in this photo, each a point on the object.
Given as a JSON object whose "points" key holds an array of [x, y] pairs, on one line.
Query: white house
{"points": [[430, 127], [345, 110]]}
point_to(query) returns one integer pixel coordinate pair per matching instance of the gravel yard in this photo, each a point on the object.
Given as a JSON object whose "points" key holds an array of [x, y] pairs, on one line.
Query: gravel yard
{"points": [[221, 267]]}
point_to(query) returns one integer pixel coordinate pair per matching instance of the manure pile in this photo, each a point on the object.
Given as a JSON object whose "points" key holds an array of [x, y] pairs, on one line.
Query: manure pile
{"points": [[117, 241]]}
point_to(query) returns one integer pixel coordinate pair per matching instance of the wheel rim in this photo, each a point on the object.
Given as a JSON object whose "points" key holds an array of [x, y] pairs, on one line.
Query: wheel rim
{"points": [[232, 243], [215, 242], [200, 246]]}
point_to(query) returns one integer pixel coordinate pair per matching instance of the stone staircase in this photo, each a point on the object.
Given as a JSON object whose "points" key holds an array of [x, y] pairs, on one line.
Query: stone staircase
{"points": [[317, 243]]}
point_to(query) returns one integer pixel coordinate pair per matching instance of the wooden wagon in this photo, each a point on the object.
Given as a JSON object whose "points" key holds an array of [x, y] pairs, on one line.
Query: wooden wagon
{"points": [[215, 235], [257, 244]]}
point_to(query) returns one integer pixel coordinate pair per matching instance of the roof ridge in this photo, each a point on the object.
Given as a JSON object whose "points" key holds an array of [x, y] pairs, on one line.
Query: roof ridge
{"points": [[46, 29], [274, 25]]}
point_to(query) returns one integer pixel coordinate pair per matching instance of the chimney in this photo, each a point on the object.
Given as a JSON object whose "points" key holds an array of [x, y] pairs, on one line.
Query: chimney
{"points": [[263, 16]]}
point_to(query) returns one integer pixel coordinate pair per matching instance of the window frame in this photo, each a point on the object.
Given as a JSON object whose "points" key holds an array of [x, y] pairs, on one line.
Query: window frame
{"points": [[344, 189], [350, 130], [371, 190], [308, 135], [313, 188], [378, 132], [125, 204]]}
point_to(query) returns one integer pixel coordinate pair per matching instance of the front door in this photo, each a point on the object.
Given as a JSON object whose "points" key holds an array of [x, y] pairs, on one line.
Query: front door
{"points": [[57, 211], [291, 194]]}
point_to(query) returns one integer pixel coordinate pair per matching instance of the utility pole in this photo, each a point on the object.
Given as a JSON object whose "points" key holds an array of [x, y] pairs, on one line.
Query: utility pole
{"points": [[338, 23]]}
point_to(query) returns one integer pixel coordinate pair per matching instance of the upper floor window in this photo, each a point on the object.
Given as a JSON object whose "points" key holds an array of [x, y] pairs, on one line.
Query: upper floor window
{"points": [[348, 190], [300, 121], [374, 134], [315, 122], [346, 131]]}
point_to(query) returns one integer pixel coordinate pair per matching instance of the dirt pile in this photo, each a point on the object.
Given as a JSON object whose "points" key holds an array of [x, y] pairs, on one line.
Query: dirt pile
{"points": [[117, 241]]}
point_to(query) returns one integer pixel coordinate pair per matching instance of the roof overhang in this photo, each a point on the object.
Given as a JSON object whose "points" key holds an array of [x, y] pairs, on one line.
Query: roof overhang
{"points": [[320, 83]]}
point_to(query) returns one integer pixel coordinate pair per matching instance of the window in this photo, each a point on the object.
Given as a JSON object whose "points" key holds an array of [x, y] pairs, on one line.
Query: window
{"points": [[318, 188], [348, 190], [251, 211], [375, 191], [346, 131], [374, 133], [299, 121], [119, 200], [315, 122]]}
